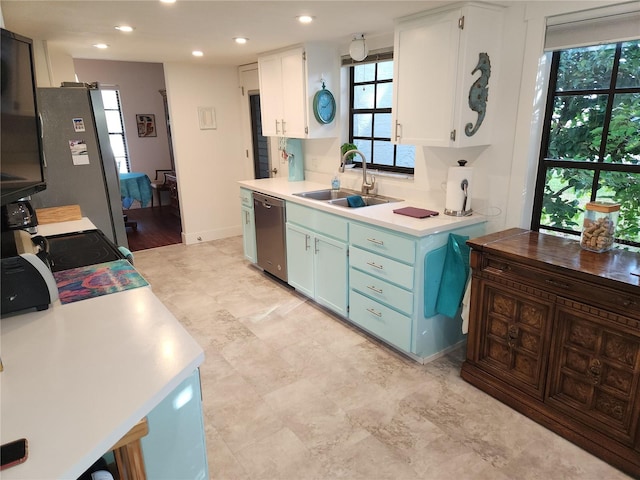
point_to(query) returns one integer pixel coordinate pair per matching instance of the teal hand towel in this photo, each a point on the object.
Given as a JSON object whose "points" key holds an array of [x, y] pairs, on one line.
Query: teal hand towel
{"points": [[355, 201], [454, 275]]}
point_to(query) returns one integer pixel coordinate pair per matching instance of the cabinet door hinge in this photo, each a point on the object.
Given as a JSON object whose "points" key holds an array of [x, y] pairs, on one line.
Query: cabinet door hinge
{"points": [[242, 91], [348, 307], [306, 129], [304, 56], [246, 152], [461, 23], [452, 135]]}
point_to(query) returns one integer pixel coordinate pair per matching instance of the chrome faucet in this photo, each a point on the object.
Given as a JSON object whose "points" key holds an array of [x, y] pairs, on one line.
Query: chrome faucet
{"points": [[368, 182]]}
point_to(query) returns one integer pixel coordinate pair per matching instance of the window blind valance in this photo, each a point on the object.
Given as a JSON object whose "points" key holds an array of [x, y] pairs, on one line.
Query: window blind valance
{"points": [[610, 24]]}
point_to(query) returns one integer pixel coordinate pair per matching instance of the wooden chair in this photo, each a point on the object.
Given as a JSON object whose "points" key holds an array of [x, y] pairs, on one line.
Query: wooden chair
{"points": [[128, 453], [159, 185]]}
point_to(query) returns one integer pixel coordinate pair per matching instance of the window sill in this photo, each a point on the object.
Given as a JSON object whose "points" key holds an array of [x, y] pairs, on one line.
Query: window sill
{"points": [[380, 173]]}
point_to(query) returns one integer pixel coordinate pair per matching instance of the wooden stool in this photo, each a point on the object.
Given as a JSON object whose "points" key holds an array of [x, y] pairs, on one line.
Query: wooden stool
{"points": [[128, 453]]}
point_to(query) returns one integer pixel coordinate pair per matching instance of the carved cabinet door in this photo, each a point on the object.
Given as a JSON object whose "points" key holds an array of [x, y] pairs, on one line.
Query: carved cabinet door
{"points": [[594, 370], [514, 334]]}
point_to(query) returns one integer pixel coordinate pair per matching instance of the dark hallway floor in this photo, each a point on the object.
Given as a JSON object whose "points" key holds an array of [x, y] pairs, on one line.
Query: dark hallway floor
{"points": [[157, 227]]}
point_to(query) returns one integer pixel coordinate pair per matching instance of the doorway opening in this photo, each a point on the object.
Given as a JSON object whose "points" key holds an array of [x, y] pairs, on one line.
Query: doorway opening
{"points": [[260, 142]]}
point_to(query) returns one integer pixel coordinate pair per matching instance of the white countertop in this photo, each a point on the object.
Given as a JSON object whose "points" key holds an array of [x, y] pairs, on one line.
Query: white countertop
{"points": [[78, 376], [380, 215]]}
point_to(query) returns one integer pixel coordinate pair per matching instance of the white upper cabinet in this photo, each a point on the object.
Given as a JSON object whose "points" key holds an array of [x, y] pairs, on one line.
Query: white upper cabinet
{"points": [[445, 76], [289, 80]]}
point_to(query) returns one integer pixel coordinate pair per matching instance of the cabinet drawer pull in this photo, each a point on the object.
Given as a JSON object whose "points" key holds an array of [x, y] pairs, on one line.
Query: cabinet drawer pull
{"points": [[497, 267], [377, 242], [377, 290], [373, 312], [306, 242], [277, 123], [316, 246], [628, 302], [556, 283], [284, 128], [375, 265]]}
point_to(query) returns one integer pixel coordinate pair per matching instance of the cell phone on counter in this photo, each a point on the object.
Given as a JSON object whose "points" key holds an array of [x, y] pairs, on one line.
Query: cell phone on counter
{"points": [[13, 453]]}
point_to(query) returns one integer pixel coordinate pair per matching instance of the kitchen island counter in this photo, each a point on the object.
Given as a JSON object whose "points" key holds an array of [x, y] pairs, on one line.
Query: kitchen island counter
{"points": [[379, 215], [77, 377]]}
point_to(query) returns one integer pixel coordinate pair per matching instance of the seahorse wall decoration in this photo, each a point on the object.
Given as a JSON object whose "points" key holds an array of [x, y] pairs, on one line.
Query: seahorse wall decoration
{"points": [[479, 93]]}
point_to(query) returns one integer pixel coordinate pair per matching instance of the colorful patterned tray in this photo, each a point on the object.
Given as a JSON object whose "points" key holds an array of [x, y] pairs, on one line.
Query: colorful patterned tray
{"points": [[96, 280]]}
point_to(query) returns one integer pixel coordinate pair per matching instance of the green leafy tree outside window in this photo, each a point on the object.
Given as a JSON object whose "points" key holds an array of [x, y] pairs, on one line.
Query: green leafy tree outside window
{"points": [[591, 140]]}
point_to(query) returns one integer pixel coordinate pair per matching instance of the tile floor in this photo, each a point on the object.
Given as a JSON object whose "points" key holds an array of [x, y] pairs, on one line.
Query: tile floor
{"points": [[292, 392]]}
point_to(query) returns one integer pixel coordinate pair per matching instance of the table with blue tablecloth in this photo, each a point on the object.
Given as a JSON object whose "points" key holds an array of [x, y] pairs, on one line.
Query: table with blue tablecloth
{"points": [[135, 186]]}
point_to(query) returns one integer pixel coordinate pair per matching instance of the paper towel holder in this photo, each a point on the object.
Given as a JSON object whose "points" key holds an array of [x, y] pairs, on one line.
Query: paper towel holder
{"points": [[464, 186]]}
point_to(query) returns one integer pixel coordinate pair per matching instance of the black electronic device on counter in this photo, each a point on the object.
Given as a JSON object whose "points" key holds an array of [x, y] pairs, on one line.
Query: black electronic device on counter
{"points": [[26, 283]]}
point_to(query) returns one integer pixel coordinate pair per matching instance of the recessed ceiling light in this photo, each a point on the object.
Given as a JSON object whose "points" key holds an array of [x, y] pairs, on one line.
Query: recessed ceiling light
{"points": [[197, 53], [305, 18], [101, 45], [168, 1], [124, 28], [241, 40]]}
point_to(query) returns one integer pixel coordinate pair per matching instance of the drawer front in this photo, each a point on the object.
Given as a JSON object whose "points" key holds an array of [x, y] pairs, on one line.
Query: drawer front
{"points": [[622, 302], [246, 197], [381, 291], [387, 324], [321, 222], [383, 242], [381, 267]]}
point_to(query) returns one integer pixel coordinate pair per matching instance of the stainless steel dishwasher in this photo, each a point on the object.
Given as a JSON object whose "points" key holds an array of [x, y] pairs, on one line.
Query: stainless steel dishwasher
{"points": [[271, 239]]}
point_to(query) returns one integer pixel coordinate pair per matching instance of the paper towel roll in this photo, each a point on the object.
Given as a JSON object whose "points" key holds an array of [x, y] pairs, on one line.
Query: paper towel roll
{"points": [[455, 200]]}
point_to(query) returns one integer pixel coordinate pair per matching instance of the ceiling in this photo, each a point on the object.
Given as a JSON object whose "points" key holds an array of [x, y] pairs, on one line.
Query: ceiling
{"points": [[169, 32]]}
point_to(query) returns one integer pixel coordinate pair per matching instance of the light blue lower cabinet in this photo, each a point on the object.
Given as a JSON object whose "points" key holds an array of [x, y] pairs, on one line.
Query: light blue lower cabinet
{"points": [[389, 325], [376, 277], [331, 274], [300, 259], [317, 267], [389, 281], [174, 448], [382, 291], [248, 225], [249, 235]]}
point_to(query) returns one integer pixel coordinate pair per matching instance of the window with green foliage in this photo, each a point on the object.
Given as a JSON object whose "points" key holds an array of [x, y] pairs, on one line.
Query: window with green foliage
{"points": [[370, 119], [591, 139]]}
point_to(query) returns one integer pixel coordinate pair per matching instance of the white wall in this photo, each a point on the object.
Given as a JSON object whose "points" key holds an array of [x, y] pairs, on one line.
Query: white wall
{"points": [[139, 84], [504, 172], [209, 162]]}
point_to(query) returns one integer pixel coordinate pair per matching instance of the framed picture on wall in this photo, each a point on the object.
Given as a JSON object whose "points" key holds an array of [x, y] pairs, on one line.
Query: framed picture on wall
{"points": [[146, 125]]}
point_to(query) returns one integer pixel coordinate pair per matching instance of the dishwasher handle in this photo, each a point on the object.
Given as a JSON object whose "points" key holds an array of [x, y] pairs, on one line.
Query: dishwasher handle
{"points": [[267, 201]]}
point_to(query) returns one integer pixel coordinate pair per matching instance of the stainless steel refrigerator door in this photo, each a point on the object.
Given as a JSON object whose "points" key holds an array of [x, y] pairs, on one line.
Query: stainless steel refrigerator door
{"points": [[94, 186]]}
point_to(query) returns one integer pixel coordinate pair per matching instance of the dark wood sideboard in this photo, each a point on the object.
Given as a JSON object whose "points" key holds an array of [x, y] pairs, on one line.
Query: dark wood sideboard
{"points": [[554, 332]]}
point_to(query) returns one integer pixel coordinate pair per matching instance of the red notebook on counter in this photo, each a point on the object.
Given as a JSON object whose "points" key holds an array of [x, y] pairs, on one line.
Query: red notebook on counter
{"points": [[415, 212]]}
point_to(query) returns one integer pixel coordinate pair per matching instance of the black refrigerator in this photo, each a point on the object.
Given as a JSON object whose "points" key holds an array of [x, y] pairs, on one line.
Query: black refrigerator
{"points": [[79, 164]]}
